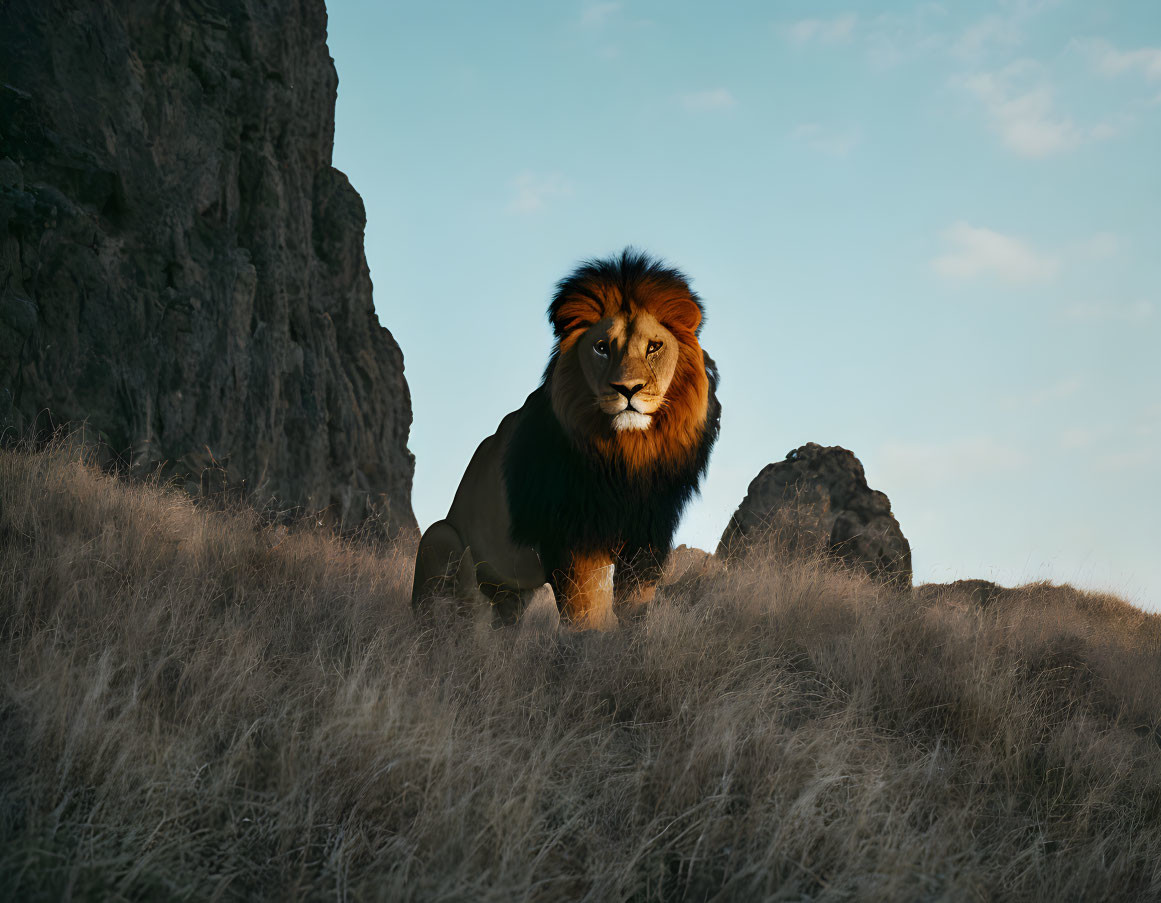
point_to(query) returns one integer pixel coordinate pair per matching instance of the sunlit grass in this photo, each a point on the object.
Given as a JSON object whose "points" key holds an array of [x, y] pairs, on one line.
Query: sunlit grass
{"points": [[195, 703]]}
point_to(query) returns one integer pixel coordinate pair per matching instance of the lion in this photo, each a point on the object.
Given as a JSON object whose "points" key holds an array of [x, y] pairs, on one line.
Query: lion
{"points": [[587, 481]]}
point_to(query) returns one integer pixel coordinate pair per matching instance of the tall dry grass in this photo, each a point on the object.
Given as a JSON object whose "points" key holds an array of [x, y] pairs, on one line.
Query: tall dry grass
{"points": [[198, 706]]}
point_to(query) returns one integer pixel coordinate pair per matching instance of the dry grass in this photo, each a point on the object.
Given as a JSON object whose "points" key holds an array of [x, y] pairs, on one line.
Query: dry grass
{"points": [[194, 705]]}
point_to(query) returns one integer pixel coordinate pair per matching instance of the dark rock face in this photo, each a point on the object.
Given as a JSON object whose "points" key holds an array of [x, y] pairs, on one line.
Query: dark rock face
{"points": [[180, 265], [818, 499]]}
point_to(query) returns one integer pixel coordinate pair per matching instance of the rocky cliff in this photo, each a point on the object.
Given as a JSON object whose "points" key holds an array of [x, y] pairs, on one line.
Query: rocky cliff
{"points": [[180, 265]]}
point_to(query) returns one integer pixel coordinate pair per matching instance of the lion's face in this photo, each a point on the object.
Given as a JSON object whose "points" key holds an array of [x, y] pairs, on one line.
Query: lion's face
{"points": [[628, 377], [628, 361]]}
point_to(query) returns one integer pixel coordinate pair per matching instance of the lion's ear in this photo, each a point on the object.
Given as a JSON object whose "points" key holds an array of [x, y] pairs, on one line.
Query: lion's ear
{"points": [[681, 314], [574, 313]]}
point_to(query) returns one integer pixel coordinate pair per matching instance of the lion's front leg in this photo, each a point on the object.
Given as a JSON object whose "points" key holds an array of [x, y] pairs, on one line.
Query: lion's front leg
{"points": [[444, 567], [638, 571], [437, 561], [584, 590]]}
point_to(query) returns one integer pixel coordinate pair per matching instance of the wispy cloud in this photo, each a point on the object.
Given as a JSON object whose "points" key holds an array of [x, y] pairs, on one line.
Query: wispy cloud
{"points": [[704, 101], [597, 14], [894, 38], [1001, 30], [831, 142], [1099, 246], [837, 30], [981, 36], [533, 191], [1149, 421], [886, 38], [1110, 60], [1078, 437], [1111, 312], [1020, 107], [924, 29], [975, 252], [1130, 460]]}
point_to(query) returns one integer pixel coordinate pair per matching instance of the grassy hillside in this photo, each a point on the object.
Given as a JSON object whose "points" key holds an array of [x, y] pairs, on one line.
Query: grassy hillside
{"points": [[196, 705]]}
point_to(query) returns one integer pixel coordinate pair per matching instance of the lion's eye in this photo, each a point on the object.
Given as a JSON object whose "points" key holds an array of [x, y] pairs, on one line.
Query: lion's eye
{"points": [[653, 346], [601, 348]]}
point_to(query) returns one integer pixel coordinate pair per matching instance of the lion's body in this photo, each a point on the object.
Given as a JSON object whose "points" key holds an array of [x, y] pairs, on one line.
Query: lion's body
{"points": [[589, 478]]}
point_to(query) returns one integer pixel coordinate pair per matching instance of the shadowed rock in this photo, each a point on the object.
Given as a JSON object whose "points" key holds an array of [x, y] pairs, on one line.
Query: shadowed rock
{"points": [[979, 592], [180, 265], [1042, 594], [818, 500]]}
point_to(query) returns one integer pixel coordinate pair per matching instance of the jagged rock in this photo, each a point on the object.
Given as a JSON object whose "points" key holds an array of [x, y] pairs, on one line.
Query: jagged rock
{"points": [[180, 265], [815, 500]]}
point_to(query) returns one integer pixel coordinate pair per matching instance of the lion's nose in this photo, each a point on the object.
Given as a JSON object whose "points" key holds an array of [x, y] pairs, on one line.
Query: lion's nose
{"points": [[628, 390]]}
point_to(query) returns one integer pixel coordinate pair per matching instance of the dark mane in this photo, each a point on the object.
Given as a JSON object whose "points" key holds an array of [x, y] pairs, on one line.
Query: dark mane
{"points": [[627, 273], [562, 498]]}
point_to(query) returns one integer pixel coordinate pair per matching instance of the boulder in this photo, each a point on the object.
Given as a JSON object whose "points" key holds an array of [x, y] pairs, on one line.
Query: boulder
{"points": [[818, 500], [685, 562], [181, 267]]}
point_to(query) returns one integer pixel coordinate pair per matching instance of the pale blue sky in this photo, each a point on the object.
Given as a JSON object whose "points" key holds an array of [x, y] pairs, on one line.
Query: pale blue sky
{"points": [[928, 232]]}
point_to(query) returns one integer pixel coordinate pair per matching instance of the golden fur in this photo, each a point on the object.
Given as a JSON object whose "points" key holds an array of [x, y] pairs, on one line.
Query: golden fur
{"points": [[594, 470]]}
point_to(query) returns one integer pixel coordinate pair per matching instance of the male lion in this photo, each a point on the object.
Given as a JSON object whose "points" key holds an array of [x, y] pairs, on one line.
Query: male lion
{"points": [[592, 473]]}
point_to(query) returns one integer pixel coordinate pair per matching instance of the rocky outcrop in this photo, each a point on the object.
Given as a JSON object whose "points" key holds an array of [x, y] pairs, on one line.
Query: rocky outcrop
{"points": [[685, 562], [982, 593], [180, 265], [816, 500]]}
